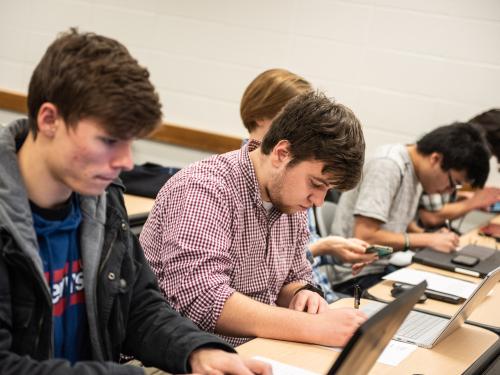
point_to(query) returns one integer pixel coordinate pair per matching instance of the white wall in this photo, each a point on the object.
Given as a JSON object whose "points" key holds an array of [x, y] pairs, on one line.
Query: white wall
{"points": [[403, 66]]}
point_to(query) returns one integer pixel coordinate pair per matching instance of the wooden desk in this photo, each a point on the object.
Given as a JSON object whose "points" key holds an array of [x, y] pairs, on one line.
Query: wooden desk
{"points": [[453, 355], [137, 205]]}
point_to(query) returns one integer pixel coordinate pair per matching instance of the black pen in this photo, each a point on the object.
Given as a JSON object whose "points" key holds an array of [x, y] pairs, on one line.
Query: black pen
{"points": [[448, 225], [357, 296]]}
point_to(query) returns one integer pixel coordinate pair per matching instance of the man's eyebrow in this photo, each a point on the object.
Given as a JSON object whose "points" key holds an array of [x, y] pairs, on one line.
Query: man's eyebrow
{"points": [[322, 181]]}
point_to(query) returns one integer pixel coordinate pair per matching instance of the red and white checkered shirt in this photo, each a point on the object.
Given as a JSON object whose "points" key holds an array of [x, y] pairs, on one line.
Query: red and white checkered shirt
{"points": [[209, 235]]}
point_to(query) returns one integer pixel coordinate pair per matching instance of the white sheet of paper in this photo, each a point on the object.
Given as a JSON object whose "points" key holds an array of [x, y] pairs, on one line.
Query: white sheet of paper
{"points": [[280, 368], [395, 352], [435, 282]]}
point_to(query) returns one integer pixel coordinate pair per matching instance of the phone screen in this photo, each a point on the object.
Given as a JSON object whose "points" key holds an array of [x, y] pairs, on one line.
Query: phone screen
{"points": [[495, 207], [382, 251]]}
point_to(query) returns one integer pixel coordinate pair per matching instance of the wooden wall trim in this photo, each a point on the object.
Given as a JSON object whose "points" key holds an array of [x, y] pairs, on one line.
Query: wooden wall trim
{"points": [[196, 139], [167, 133], [13, 101]]}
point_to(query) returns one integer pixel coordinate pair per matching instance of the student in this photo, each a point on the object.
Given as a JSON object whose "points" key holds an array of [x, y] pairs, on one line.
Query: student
{"points": [[262, 100], [75, 288], [383, 207], [435, 209], [226, 235]]}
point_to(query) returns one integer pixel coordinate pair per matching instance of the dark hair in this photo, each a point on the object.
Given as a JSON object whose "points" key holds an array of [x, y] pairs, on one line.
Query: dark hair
{"points": [[321, 129], [90, 76], [268, 93], [463, 148], [489, 123]]}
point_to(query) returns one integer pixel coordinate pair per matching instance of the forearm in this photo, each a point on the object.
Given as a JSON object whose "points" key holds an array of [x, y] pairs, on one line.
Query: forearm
{"points": [[396, 240], [319, 247], [382, 237], [449, 211], [413, 227], [243, 316]]}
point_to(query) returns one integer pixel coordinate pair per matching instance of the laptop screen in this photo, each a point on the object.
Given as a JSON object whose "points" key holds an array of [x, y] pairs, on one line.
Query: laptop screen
{"points": [[481, 292], [371, 338]]}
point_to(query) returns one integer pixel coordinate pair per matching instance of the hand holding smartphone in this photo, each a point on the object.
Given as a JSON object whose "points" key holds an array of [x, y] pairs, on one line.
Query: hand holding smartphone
{"points": [[495, 208], [381, 251]]}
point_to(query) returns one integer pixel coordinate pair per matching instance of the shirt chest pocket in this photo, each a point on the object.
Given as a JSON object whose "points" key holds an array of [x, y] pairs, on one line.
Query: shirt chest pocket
{"points": [[251, 277]]}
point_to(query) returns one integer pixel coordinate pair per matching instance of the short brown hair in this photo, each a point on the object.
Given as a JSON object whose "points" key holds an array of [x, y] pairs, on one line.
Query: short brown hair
{"points": [[268, 93], [321, 129], [91, 76]]}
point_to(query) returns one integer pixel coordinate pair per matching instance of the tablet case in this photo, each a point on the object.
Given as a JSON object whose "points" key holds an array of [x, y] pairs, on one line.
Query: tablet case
{"points": [[489, 259]]}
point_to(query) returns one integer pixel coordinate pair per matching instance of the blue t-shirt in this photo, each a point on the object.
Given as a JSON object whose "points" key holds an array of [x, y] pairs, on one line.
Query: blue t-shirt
{"points": [[57, 233]]}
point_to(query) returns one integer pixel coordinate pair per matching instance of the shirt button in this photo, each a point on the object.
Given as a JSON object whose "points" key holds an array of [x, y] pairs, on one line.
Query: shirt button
{"points": [[123, 283], [124, 225], [111, 276]]}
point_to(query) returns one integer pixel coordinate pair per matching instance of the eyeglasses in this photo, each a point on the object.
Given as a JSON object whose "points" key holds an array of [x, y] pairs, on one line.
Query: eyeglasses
{"points": [[453, 185]]}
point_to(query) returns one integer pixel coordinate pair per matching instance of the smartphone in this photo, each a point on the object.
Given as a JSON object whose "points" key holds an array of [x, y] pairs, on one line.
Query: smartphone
{"points": [[444, 297], [495, 208], [382, 251], [432, 294], [465, 260]]}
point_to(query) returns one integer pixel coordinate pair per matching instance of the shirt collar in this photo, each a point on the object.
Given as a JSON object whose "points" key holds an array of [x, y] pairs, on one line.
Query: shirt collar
{"points": [[248, 170]]}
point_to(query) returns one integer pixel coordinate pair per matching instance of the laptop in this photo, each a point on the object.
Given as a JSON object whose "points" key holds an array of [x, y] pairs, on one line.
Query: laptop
{"points": [[368, 342], [426, 330], [488, 259]]}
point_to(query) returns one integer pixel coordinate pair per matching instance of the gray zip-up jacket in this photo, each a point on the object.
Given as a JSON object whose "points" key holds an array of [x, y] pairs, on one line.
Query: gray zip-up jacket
{"points": [[125, 309]]}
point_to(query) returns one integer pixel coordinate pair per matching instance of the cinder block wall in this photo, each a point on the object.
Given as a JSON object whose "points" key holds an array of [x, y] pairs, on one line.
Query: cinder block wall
{"points": [[403, 66]]}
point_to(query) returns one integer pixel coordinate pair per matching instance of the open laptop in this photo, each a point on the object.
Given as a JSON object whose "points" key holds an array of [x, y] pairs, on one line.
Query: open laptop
{"points": [[426, 330], [371, 338], [487, 260]]}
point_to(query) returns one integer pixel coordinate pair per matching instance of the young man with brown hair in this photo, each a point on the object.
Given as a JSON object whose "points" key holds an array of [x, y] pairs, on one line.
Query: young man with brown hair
{"points": [[262, 100], [226, 235], [75, 288]]}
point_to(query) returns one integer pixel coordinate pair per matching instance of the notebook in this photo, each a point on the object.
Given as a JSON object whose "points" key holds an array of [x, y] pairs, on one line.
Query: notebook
{"points": [[489, 259], [426, 330]]}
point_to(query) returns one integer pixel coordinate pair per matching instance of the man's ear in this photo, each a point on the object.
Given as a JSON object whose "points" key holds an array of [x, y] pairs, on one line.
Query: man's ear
{"points": [[281, 154], [48, 119], [436, 158]]}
